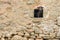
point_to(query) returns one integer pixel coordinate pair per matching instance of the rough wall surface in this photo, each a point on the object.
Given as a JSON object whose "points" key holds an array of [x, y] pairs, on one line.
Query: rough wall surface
{"points": [[17, 21]]}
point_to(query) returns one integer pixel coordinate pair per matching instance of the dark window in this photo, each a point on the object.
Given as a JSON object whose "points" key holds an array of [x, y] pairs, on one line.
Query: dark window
{"points": [[38, 12], [45, 39]]}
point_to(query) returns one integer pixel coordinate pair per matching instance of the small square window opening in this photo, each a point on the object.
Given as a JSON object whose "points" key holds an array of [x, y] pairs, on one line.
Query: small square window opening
{"points": [[38, 13]]}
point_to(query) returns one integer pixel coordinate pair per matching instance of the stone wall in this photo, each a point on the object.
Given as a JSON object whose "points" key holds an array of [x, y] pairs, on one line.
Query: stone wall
{"points": [[17, 20]]}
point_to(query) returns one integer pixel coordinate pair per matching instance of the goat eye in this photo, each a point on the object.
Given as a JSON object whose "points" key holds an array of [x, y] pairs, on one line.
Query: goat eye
{"points": [[38, 12]]}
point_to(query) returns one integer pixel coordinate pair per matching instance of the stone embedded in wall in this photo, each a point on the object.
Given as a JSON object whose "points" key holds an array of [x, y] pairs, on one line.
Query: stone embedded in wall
{"points": [[58, 33], [58, 20], [47, 26], [39, 39], [27, 34], [30, 2], [16, 37], [31, 39]]}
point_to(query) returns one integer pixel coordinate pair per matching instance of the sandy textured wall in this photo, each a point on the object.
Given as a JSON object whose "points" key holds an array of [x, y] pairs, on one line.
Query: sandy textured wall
{"points": [[17, 21]]}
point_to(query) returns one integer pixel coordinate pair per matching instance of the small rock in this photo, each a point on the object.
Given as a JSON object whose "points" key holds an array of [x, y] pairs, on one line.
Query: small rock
{"points": [[20, 33], [31, 39], [26, 34], [31, 2], [16, 37], [58, 20], [24, 38], [58, 33], [30, 30], [53, 39], [52, 35], [2, 39], [39, 39]]}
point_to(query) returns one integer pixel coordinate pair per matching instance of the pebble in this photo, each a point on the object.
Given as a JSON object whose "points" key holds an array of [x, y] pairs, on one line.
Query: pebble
{"points": [[31, 2]]}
